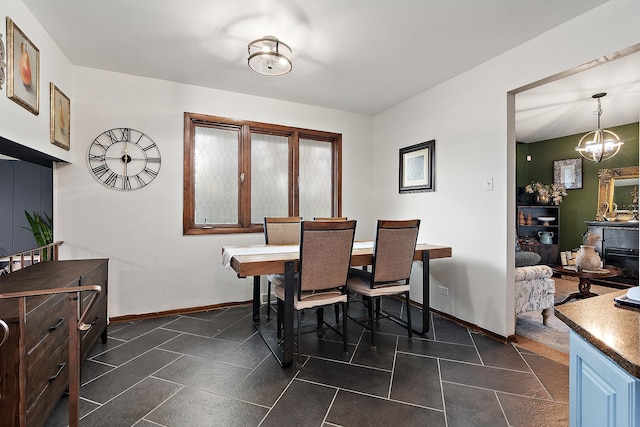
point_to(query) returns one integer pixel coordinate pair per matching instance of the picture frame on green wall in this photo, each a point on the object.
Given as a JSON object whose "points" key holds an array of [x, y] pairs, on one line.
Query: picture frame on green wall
{"points": [[568, 173]]}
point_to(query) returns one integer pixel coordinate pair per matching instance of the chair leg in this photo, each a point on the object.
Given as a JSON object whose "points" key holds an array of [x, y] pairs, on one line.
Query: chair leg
{"points": [[378, 304], [299, 334], [408, 304], [345, 341], [319, 321], [268, 300], [372, 323], [336, 308]]}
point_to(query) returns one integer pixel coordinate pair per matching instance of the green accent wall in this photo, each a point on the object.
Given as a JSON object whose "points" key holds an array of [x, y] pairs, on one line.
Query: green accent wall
{"points": [[580, 204]]}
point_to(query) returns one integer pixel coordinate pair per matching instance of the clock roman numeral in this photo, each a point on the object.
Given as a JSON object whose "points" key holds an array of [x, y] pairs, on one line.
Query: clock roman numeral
{"points": [[126, 134], [104, 147], [111, 179], [96, 157], [150, 172], [126, 184], [112, 136], [153, 159], [99, 171], [141, 182], [149, 147]]}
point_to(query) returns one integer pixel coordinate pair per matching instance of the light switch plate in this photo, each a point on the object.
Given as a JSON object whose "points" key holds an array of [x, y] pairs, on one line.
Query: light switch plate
{"points": [[488, 184]]}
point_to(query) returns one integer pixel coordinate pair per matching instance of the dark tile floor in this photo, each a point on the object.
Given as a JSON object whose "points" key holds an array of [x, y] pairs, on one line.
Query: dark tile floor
{"points": [[213, 369]]}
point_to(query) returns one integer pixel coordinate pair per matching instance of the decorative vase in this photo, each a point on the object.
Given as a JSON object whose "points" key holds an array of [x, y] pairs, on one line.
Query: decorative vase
{"points": [[545, 237], [588, 258], [542, 199]]}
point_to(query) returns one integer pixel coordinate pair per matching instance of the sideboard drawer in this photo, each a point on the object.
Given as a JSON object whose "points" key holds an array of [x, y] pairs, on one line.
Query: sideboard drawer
{"points": [[48, 317], [620, 238], [45, 369], [98, 320], [56, 376]]}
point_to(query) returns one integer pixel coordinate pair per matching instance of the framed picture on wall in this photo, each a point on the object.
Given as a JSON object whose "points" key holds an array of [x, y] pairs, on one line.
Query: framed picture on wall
{"points": [[60, 118], [417, 164], [23, 69], [568, 173]]}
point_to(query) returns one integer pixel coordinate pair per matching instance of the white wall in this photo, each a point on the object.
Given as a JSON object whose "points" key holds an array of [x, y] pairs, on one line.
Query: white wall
{"points": [[153, 267], [16, 123], [471, 118]]}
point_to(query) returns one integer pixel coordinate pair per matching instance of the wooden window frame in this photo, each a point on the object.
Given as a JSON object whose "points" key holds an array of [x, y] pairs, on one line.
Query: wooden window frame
{"points": [[245, 130]]}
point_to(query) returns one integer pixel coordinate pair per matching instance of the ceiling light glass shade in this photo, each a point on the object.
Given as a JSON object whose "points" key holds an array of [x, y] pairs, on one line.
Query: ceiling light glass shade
{"points": [[269, 56], [599, 145]]}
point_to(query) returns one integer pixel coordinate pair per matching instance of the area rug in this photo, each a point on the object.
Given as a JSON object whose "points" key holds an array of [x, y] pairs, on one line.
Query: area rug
{"points": [[556, 333]]}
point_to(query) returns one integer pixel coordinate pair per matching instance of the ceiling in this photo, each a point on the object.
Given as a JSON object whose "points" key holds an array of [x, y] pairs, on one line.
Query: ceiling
{"points": [[362, 56], [566, 107]]}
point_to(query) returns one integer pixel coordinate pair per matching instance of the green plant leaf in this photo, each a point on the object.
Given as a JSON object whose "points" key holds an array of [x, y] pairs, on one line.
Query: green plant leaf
{"points": [[41, 228]]}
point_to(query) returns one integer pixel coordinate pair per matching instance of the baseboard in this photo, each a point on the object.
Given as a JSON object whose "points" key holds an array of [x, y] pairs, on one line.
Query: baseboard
{"points": [[474, 327], [263, 298], [134, 317]]}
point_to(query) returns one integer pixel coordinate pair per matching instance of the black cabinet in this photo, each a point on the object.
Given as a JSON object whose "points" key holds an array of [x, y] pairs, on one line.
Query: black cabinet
{"points": [[618, 245], [538, 231], [24, 186]]}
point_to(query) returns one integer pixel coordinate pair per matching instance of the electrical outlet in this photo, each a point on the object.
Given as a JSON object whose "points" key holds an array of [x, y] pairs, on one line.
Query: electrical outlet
{"points": [[443, 290]]}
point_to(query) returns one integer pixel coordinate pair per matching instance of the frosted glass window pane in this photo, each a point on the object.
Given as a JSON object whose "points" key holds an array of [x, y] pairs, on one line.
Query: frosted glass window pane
{"points": [[315, 179], [269, 176], [216, 176]]}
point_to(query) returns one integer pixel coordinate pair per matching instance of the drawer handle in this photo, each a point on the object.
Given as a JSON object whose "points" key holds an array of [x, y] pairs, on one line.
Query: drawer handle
{"points": [[57, 374], [57, 325]]}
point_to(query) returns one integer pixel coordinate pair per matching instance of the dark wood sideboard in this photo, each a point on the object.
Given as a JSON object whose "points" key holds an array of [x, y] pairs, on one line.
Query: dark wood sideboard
{"points": [[35, 355], [618, 245]]}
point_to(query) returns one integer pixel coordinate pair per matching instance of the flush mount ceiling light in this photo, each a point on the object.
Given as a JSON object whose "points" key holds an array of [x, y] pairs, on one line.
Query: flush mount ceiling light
{"points": [[599, 144], [269, 56]]}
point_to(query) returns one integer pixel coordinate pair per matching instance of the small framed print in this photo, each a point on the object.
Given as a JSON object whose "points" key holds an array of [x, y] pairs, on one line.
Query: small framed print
{"points": [[60, 118], [568, 173], [23, 69], [417, 164]]}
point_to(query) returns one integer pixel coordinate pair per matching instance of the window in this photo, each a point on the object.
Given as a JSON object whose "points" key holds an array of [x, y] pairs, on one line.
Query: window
{"points": [[237, 172]]}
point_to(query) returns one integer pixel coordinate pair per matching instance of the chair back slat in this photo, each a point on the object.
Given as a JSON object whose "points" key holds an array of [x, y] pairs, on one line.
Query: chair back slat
{"points": [[325, 254], [282, 230], [394, 250], [330, 218]]}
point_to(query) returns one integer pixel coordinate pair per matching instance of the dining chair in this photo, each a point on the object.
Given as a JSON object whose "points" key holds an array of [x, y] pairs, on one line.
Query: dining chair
{"points": [[280, 231], [393, 254], [323, 267]]}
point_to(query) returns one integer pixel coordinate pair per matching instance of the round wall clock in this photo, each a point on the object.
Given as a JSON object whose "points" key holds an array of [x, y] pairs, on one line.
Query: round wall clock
{"points": [[124, 159]]}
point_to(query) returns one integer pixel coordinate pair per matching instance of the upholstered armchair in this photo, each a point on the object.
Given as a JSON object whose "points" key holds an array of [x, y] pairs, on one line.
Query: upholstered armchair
{"points": [[534, 290]]}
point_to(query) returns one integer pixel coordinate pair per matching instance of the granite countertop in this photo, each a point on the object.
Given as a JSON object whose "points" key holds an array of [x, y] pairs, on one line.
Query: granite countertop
{"points": [[611, 328]]}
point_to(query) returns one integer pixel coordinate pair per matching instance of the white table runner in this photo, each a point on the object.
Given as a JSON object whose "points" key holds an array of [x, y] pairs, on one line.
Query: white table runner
{"points": [[232, 251]]}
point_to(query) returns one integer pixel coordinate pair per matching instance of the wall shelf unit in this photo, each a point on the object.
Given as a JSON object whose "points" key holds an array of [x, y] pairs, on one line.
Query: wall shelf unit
{"points": [[533, 224]]}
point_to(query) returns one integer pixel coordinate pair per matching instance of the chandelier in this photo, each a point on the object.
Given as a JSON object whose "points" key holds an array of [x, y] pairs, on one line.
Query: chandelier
{"points": [[269, 56], [599, 145]]}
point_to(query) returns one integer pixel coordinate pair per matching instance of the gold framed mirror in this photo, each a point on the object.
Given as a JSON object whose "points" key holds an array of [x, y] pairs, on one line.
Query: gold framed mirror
{"points": [[618, 187]]}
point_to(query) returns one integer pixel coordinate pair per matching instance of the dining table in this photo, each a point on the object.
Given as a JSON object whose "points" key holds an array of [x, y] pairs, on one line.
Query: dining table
{"points": [[259, 260]]}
